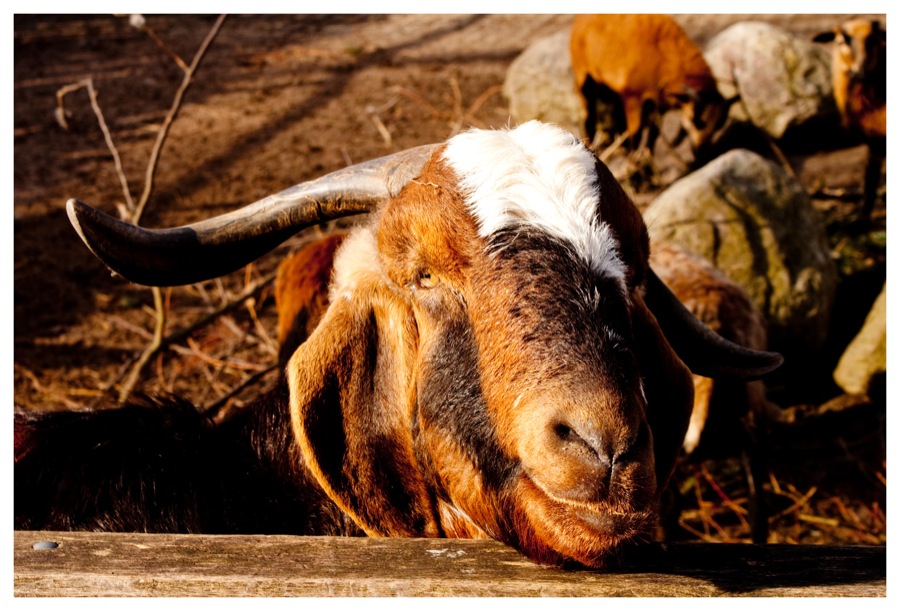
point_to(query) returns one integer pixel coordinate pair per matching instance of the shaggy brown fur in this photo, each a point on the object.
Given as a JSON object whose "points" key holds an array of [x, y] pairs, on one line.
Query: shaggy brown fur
{"points": [[301, 292]]}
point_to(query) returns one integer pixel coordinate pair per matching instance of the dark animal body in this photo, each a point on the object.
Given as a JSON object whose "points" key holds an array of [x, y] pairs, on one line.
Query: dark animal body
{"points": [[161, 466], [487, 362]]}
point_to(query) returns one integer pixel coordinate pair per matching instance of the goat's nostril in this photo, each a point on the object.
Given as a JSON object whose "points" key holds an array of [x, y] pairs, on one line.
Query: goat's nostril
{"points": [[564, 432], [581, 443]]}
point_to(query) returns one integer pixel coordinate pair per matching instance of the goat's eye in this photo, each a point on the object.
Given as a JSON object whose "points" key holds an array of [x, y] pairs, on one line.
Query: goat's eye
{"points": [[425, 280]]}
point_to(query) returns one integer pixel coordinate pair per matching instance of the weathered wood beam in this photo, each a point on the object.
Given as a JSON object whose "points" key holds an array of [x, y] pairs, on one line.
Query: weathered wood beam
{"points": [[106, 564]]}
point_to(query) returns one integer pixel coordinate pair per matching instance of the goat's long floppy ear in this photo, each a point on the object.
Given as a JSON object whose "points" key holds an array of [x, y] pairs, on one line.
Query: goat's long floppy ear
{"points": [[352, 399], [668, 386]]}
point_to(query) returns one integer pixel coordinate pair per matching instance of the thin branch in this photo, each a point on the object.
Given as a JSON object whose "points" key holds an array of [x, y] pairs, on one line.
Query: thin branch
{"points": [[227, 362], [458, 117], [88, 83], [170, 117], [612, 148], [265, 339], [379, 125], [163, 343], [481, 99], [781, 157], [247, 293], [150, 350], [142, 25]]}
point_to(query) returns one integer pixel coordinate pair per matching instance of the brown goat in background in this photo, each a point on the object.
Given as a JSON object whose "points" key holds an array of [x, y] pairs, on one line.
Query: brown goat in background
{"points": [[859, 76], [648, 65], [730, 416]]}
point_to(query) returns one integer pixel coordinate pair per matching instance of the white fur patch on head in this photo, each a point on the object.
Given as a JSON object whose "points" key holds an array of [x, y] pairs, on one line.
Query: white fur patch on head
{"points": [[540, 176]]}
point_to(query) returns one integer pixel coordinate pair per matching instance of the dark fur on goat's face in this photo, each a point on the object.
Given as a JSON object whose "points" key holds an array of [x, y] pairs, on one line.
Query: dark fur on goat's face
{"points": [[489, 369]]}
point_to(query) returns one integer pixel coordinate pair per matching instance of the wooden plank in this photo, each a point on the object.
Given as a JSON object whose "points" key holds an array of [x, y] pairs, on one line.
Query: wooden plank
{"points": [[107, 564]]}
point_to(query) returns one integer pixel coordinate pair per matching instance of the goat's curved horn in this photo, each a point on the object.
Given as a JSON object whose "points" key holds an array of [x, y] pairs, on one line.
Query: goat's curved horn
{"points": [[220, 245], [704, 351]]}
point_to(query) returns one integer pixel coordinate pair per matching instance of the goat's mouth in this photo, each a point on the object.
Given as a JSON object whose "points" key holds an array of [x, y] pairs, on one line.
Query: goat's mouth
{"points": [[591, 534]]}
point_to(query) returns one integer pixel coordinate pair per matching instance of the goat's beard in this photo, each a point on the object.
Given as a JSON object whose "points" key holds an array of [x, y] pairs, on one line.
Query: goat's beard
{"points": [[551, 531]]}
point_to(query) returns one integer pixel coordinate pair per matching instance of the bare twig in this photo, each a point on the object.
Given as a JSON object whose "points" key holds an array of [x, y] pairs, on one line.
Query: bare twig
{"points": [[170, 117], [726, 500], [780, 155], [121, 322], [247, 293], [132, 211], [150, 350], [45, 391], [88, 84], [140, 23], [458, 117], [123, 371], [799, 502], [183, 333], [703, 536], [417, 97], [612, 148], [481, 99], [226, 362], [379, 125], [270, 344]]}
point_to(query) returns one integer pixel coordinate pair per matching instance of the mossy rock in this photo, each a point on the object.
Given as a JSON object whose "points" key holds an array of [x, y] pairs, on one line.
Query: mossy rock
{"points": [[756, 224]]}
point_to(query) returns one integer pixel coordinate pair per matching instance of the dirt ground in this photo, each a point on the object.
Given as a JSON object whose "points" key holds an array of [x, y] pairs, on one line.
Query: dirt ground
{"points": [[280, 99]]}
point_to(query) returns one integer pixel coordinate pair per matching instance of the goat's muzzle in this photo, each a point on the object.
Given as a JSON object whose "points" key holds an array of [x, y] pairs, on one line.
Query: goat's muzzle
{"points": [[590, 449], [588, 481]]}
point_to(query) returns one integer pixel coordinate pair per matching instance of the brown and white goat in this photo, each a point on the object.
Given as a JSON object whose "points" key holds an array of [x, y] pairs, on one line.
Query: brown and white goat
{"points": [[859, 77], [648, 65], [496, 358]]}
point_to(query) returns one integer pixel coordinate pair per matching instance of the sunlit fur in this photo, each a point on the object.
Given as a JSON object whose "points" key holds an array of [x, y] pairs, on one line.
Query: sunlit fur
{"points": [[301, 291], [859, 72]]}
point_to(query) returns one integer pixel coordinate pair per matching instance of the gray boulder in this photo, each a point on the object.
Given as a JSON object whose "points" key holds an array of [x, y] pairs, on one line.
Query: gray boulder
{"points": [[756, 224], [782, 81], [864, 362], [540, 85]]}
